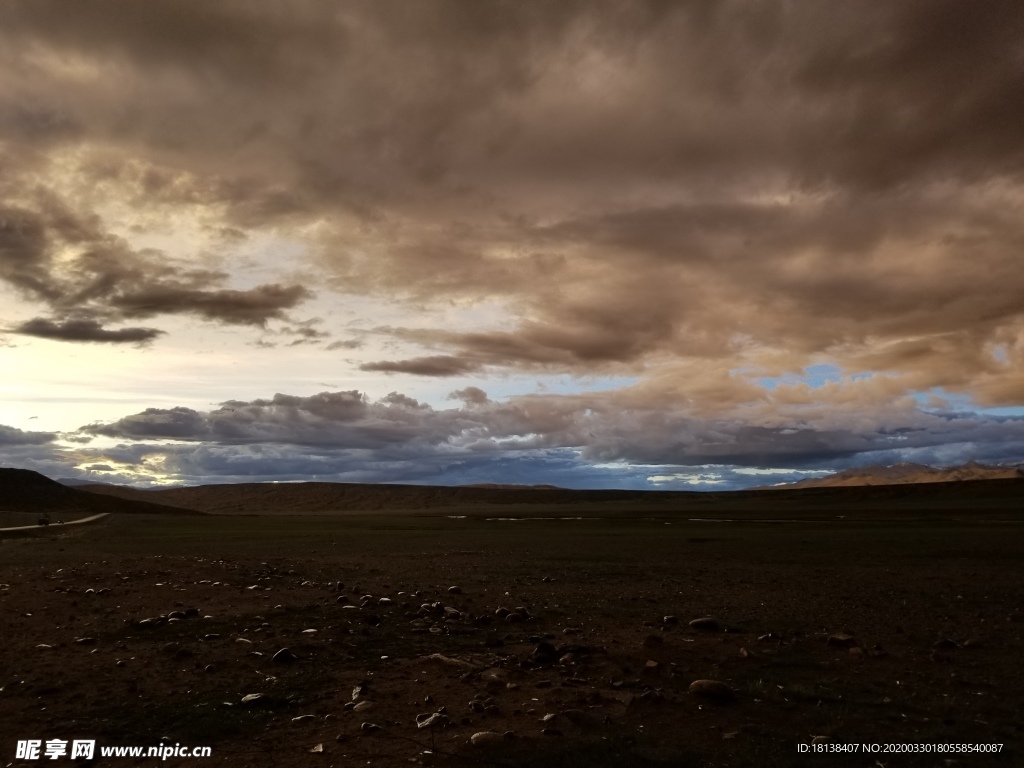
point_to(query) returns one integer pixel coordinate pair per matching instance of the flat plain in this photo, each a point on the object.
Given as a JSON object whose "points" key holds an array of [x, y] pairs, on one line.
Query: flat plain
{"points": [[855, 618]]}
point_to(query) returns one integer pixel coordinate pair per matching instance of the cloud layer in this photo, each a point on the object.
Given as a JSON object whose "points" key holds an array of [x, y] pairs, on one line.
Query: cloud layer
{"points": [[693, 195]]}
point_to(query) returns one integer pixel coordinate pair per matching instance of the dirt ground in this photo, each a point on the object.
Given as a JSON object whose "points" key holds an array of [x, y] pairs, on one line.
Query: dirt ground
{"points": [[142, 630]]}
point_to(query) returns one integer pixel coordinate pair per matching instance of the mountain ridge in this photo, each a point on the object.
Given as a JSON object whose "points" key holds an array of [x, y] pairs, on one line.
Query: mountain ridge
{"points": [[905, 473]]}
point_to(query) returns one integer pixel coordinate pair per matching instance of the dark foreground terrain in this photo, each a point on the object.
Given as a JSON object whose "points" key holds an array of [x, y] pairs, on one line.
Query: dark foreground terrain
{"points": [[898, 623]]}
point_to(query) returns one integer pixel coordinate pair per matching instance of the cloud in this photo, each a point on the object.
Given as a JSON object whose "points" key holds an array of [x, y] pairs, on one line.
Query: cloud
{"points": [[84, 330], [437, 365], [11, 436], [691, 195], [71, 264]]}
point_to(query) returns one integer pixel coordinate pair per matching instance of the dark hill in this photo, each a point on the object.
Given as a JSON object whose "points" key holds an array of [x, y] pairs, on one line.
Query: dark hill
{"points": [[22, 490], [311, 498]]}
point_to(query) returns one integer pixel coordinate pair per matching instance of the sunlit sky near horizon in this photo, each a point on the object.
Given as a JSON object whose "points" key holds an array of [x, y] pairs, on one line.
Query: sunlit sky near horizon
{"points": [[600, 244]]}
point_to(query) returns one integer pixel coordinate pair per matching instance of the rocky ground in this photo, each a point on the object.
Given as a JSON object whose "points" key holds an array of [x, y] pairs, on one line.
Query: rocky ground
{"points": [[453, 642]]}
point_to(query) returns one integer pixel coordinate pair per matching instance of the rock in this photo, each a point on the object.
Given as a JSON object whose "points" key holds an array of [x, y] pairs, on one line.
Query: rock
{"points": [[317, 747], [252, 698], [502, 612], [385, 601], [712, 690], [369, 728], [191, 612], [651, 666], [363, 705], [309, 631], [973, 642], [706, 624], [303, 718], [211, 636], [484, 738], [515, 618], [86, 641], [669, 620], [433, 720], [551, 732], [342, 599], [451, 613], [842, 640], [243, 640], [284, 656], [176, 615], [454, 590], [568, 658]]}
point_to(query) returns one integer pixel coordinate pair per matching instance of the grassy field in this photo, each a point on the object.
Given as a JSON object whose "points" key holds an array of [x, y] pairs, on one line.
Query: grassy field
{"points": [[898, 586]]}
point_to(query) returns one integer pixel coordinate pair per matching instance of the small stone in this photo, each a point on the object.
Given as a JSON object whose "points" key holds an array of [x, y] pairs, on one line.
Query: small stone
{"points": [[483, 738], [211, 636], [568, 658], [651, 666], [669, 620], [502, 612], [342, 599], [309, 631], [454, 590], [363, 705], [317, 747], [303, 718], [842, 640], [431, 720], [706, 624], [369, 728], [514, 618], [243, 640], [712, 690], [252, 698], [86, 641]]}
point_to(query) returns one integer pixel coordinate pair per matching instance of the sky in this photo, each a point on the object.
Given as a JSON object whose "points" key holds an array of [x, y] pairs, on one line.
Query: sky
{"points": [[637, 244]]}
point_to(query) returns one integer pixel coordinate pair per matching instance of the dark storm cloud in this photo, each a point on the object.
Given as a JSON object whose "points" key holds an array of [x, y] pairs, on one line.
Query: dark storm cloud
{"points": [[67, 261], [85, 330], [11, 436], [599, 429]]}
